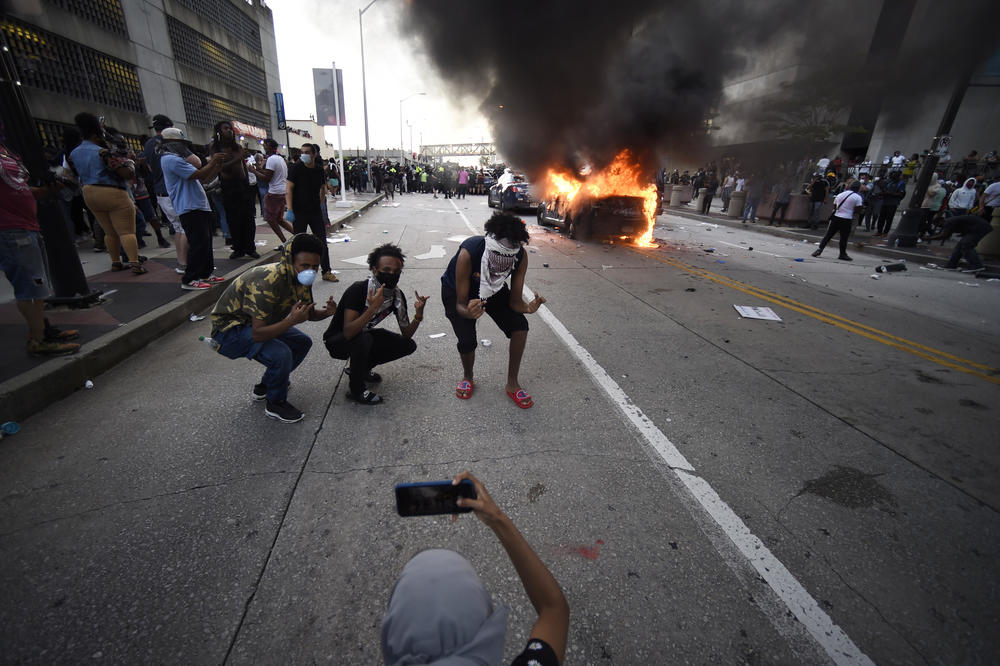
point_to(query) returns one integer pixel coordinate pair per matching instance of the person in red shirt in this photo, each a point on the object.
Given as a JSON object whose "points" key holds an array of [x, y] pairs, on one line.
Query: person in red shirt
{"points": [[22, 255]]}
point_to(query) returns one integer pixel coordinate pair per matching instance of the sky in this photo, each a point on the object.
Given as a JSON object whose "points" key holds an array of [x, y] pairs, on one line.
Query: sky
{"points": [[314, 33]]}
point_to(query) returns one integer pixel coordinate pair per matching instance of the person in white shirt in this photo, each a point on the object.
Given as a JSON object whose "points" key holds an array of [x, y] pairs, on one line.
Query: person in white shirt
{"points": [[898, 160], [274, 173], [842, 220], [990, 199], [963, 198]]}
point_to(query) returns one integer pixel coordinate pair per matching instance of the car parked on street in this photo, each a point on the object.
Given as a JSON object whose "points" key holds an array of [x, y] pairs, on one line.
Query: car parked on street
{"points": [[516, 196], [604, 217]]}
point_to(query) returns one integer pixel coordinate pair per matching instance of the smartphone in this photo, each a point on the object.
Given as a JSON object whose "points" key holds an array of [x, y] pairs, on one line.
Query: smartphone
{"points": [[431, 498]]}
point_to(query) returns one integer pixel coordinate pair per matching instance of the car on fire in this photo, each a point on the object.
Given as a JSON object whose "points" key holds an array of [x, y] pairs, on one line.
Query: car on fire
{"points": [[611, 216], [515, 196]]}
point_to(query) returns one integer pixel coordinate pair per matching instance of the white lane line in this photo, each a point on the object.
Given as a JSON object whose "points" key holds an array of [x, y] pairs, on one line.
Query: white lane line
{"points": [[475, 232], [361, 260], [744, 247], [831, 638]]}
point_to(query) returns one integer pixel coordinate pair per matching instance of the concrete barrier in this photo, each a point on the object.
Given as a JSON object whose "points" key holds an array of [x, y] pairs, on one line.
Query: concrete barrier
{"points": [[737, 203], [989, 246]]}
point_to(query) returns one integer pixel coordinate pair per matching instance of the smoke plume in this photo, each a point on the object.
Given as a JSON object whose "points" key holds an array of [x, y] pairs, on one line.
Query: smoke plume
{"points": [[573, 82]]}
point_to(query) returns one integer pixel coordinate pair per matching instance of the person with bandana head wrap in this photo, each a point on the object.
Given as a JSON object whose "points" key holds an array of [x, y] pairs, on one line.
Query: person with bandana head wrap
{"points": [[476, 284], [439, 611], [256, 316], [364, 305]]}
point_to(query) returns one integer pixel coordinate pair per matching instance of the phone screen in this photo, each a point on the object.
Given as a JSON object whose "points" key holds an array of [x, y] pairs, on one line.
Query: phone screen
{"points": [[432, 498]]}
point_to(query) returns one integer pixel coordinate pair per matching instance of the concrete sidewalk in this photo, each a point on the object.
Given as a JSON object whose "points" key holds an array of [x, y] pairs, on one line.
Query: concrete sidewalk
{"points": [[861, 239], [134, 312]]}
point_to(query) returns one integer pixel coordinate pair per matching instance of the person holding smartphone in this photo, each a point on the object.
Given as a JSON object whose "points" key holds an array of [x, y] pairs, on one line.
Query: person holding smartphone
{"points": [[440, 610], [475, 284]]}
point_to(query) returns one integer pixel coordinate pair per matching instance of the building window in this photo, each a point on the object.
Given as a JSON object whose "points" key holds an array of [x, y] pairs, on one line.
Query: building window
{"points": [[104, 13], [51, 132], [204, 109], [49, 62], [229, 17], [193, 49]]}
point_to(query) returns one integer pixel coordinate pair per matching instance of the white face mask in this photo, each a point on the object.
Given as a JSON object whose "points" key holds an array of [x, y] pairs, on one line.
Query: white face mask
{"points": [[306, 159]]}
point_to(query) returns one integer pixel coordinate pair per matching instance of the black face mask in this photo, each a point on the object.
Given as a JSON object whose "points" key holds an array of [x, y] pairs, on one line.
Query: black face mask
{"points": [[388, 280]]}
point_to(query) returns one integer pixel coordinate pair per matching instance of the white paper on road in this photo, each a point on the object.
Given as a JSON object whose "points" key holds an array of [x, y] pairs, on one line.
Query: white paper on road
{"points": [[360, 261], [757, 312], [436, 252], [436, 335], [456, 239]]}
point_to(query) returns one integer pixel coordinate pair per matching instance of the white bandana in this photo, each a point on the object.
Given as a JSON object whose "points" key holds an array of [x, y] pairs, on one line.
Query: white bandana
{"points": [[496, 266], [394, 300]]}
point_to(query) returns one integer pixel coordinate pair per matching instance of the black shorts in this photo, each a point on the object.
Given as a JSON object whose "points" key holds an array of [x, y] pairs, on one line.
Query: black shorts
{"points": [[497, 307]]}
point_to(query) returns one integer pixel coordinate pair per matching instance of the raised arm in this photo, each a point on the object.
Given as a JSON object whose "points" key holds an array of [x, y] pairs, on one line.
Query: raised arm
{"points": [[539, 584]]}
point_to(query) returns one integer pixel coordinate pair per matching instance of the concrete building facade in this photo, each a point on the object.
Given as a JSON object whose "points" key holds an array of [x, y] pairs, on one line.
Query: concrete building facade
{"points": [[905, 118], [197, 61]]}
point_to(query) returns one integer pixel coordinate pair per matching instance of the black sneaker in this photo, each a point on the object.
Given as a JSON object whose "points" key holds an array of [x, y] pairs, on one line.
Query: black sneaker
{"points": [[253, 254], [258, 392], [283, 411], [844, 257]]}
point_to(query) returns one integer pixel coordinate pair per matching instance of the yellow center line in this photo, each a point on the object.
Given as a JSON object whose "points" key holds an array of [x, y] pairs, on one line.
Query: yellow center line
{"points": [[923, 351]]}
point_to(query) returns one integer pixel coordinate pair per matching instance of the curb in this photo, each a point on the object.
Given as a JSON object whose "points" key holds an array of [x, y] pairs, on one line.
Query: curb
{"points": [[32, 391], [790, 233]]}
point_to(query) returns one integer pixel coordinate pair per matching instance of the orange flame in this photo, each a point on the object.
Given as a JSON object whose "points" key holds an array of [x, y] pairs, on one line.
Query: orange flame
{"points": [[623, 177]]}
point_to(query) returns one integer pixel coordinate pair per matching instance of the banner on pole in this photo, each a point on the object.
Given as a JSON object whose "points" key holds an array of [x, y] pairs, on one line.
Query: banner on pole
{"points": [[279, 108], [323, 86]]}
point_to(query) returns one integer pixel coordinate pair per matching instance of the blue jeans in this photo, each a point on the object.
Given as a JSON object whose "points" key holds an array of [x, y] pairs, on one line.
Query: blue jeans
{"points": [[750, 212], [281, 355]]}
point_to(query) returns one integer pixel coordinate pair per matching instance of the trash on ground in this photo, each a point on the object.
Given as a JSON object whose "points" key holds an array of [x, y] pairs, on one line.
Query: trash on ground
{"points": [[969, 284], [749, 248], [720, 261], [262, 242], [385, 231], [800, 259], [436, 335], [88, 384], [345, 239], [875, 276], [710, 250], [487, 343], [931, 265], [605, 267], [545, 265], [891, 268], [690, 289], [9, 428], [195, 317], [757, 312], [346, 226]]}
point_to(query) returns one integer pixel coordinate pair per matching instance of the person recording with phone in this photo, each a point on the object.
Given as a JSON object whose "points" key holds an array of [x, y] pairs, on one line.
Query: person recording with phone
{"points": [[256, 317], [475, 284], [364, 305], [440, 611]]}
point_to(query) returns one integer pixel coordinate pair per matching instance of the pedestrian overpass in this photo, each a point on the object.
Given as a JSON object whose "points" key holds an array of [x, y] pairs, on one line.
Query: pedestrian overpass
{"points": [[443, 150]]}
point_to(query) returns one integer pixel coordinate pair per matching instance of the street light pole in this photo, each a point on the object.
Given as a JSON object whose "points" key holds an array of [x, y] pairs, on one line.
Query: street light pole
{"points": [[364, 93], [401, 124]]}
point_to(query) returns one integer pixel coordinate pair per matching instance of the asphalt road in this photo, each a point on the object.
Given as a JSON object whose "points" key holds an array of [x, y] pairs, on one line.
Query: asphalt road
{"points": [[706, 488]]}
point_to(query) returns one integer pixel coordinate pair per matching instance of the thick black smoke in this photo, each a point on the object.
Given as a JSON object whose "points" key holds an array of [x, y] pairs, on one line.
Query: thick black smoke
{"points": [[569, 82]]}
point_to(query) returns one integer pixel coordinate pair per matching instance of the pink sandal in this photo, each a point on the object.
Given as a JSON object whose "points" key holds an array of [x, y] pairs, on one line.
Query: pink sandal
{"points": [[464, 389]]}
